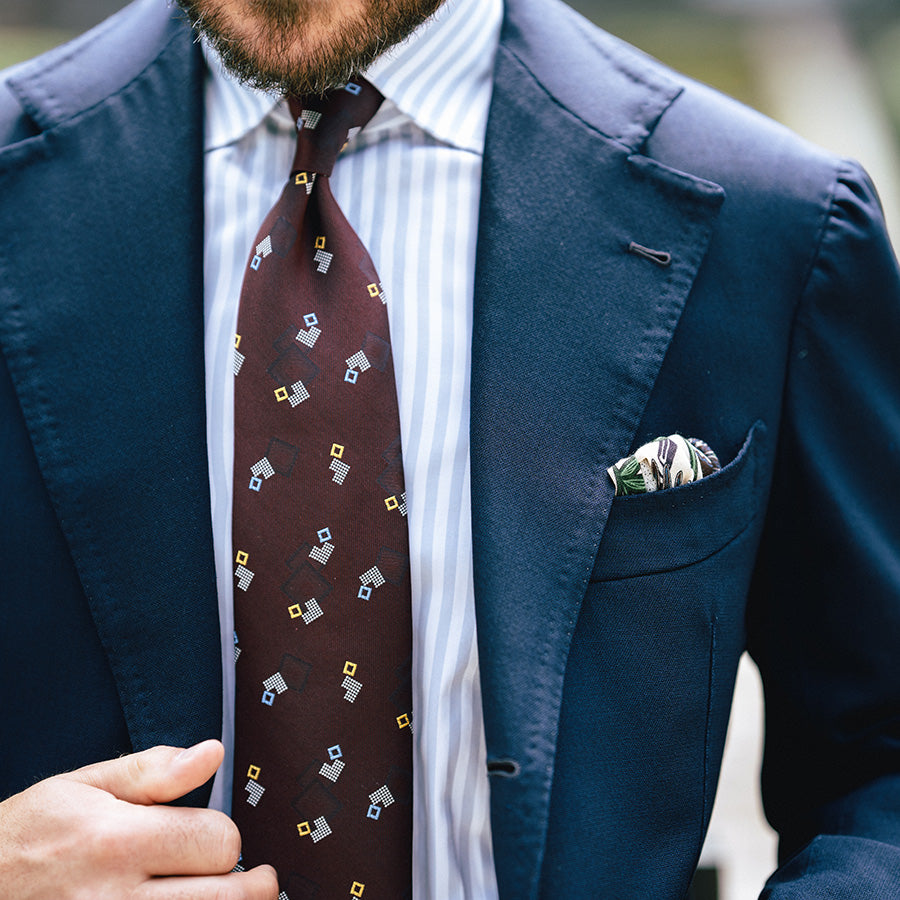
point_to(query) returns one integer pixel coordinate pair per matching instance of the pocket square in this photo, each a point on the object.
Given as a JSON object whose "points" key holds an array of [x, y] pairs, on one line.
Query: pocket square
{"points": [[666, 462]]}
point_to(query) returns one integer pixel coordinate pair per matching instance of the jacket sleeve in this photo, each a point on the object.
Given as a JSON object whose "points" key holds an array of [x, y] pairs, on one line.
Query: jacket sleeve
{"points": [[824, 617]]}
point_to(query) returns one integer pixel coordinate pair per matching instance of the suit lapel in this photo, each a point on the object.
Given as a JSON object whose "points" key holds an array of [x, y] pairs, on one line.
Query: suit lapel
{"points": [[570, 329], [101, 321]]}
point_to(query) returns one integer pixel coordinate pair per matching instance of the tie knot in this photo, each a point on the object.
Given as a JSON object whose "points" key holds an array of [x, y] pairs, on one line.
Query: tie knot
{"points": [[324, 124]]}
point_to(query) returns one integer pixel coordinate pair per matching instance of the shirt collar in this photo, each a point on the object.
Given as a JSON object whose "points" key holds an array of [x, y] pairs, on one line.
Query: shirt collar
{"points": [[440, 78]]}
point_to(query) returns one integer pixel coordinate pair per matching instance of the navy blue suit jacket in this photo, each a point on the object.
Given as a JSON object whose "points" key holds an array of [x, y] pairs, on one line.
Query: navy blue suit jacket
{"points": [[609, 629]]}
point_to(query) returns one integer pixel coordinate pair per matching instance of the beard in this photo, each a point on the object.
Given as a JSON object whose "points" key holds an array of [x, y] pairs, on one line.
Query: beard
{"points": [[303, 47]]}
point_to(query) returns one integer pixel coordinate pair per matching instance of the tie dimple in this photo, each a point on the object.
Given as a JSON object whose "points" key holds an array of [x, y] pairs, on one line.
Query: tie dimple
{"points": [[324, 124]]}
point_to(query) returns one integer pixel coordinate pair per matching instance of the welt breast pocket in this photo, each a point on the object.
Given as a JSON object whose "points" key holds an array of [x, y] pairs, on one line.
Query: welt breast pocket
{"points": [[656, 647], [666, 530]]}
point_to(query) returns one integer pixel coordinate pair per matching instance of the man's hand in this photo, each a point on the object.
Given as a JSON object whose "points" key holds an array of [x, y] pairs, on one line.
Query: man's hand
{"points": [[99, 833]]}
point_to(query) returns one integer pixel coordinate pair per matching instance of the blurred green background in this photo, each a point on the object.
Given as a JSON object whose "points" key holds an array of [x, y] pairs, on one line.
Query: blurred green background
{"points": [[829, 69]]}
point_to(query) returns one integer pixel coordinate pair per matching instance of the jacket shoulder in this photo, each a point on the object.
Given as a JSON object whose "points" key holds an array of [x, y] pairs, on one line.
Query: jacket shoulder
{"points": [[637, 101], [72, 78], [757, 161], [717, 138]]}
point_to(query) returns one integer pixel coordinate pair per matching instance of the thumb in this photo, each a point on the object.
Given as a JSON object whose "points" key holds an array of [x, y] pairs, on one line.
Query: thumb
{"points": [[157, 775]]}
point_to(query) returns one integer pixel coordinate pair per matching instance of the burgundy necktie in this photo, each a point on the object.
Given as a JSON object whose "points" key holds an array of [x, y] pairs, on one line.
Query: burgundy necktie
{"points": [[323, 719]]}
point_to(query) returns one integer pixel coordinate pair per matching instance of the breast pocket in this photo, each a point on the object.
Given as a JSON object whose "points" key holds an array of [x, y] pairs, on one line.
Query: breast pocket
{"points": [[655, 650], [665, 530]]}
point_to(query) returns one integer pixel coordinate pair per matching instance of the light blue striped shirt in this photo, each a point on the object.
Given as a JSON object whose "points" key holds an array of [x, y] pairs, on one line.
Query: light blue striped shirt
{"points": [[409, 184]]}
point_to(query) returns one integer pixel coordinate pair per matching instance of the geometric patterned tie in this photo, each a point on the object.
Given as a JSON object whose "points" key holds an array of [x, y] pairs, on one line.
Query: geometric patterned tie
{"points": [[323, 745]]}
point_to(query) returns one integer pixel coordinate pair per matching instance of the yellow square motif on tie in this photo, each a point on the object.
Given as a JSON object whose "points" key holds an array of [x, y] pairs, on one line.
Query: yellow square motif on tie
{"points": [[349, 668], [253, 772]]}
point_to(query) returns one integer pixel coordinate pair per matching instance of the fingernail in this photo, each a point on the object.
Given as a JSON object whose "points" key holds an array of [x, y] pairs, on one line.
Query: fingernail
{"points": [[189, 752]]}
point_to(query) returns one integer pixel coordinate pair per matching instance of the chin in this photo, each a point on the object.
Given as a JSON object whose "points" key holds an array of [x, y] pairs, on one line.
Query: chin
{"points": [[304, 46]]}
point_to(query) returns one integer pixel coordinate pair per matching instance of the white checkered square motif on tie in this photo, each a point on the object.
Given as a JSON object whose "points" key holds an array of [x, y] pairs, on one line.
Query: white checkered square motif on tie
{"points": [[263, 469], [372, 577], [275, 683], [382, 797], [254, 792], [359, 361], [352, 687], [323, 260]]}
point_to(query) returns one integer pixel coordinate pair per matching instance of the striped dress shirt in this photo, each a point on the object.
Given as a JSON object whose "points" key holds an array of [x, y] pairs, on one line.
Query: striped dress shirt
{"points": [[409, 184]]}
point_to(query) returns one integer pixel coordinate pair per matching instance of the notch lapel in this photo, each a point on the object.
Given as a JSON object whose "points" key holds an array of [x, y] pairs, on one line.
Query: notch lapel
{"points": [[101, 321], [570, 330]]}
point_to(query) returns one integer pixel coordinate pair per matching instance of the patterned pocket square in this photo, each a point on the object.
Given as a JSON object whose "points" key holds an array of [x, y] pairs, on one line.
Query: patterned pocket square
{"points": [[666, 462]]}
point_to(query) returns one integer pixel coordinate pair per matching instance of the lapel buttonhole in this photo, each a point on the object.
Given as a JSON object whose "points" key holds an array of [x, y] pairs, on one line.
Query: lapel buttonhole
{"points": [[660, 257]]}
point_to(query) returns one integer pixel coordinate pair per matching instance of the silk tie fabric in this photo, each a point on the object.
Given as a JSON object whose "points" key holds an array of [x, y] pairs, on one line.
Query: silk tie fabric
{"points": [[323, 720]]}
